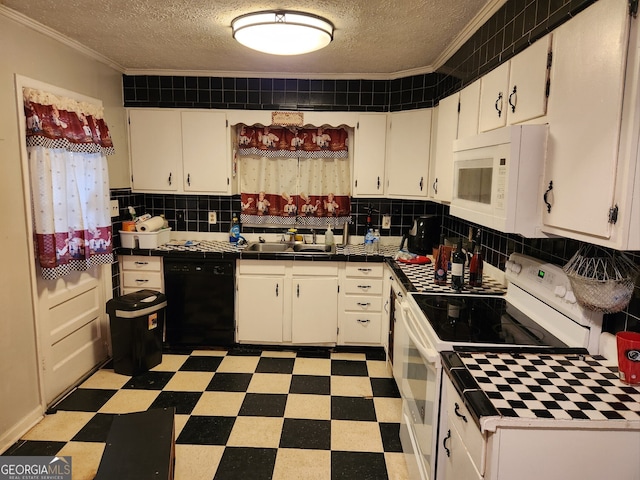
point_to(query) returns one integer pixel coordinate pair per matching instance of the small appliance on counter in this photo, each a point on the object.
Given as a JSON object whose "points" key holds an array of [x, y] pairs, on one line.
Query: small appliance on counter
{"points": [[423, 236]]}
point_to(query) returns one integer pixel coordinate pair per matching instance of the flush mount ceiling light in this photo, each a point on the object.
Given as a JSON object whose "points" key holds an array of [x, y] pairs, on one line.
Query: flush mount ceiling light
{"points": [[282, 32]]}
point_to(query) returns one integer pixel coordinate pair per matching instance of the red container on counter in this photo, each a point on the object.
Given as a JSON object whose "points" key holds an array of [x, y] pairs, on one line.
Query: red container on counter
{"points": [[629, 357]]}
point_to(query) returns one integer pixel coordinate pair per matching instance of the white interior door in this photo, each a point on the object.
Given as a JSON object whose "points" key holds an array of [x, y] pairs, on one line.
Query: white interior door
{"points": [[71, 322], [72, 326]]}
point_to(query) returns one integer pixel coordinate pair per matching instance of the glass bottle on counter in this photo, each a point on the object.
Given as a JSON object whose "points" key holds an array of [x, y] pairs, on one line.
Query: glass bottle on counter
{"points": [[457, 267], [475, 268], [441, 263]]}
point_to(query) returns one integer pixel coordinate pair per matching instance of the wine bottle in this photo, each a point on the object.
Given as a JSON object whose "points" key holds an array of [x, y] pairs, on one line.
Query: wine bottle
{"points": [[475, 268], [440, 264], [457, 267]]}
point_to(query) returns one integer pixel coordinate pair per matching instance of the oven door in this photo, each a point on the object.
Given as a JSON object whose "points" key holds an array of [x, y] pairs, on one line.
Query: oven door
{"points": [[420, 390]]}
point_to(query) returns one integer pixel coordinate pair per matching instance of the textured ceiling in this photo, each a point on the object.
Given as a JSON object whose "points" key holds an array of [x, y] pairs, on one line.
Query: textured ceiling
{"points": [[372, 37]]}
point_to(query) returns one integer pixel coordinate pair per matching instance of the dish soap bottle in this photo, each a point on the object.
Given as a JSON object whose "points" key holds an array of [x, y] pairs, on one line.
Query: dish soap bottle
{"points": [[457, 267], [328, 236], [234, 231]]}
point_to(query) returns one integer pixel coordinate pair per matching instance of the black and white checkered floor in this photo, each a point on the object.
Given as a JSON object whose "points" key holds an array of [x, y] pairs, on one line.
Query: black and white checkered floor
{"points": [[244, 414]]}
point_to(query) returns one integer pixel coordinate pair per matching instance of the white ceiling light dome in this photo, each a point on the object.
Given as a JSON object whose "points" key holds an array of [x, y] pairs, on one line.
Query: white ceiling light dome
{"points": [[281, 32]]}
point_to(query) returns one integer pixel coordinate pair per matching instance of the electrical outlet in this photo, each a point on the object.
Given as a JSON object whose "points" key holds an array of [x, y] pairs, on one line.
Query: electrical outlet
{"points": [[115, 208], [386, 222], [213, 218]]}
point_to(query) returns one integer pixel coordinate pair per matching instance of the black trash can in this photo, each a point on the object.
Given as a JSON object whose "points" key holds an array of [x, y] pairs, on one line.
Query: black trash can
{"points": [[137, 323]]}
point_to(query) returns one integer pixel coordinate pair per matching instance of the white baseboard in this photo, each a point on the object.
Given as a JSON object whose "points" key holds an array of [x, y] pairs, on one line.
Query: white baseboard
{"points": [[13, 434]]}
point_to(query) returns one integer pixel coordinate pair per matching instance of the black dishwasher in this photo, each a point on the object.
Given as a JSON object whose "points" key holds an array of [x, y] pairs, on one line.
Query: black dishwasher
{"points": [[200, 302]]}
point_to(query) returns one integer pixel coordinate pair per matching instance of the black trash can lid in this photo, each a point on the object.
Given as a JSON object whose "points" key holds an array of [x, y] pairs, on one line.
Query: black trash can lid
{"points": [[141, 299]]}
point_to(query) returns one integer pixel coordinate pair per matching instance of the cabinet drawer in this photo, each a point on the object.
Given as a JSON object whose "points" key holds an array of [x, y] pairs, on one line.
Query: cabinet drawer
{"points": [[364, 270], [142, 279], [362, 303], [361, 327], [140, 263], [261, 267], [361, 286], [466, 426]]}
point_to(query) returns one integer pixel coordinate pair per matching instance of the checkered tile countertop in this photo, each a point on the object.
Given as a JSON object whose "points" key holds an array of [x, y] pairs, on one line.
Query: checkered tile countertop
{"points": [[553, 386], [421, 277], [245, 413], [213, 246]]}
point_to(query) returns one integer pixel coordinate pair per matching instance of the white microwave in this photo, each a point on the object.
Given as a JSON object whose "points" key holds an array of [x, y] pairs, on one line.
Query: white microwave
{"points": [[497, 178]]}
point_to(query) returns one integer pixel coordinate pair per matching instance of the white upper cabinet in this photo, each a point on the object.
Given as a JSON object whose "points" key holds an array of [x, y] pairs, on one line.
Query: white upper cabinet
{"points": [[469, 110], [593, 134], [408, 149], [205, 152], [516, 91], [441, 183], [179, 151], [369, 155], [493, 105], [155, 141]]}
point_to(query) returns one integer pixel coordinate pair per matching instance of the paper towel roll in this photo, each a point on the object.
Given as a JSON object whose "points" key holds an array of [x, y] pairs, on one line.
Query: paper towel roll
{"points": [[151, 225]]}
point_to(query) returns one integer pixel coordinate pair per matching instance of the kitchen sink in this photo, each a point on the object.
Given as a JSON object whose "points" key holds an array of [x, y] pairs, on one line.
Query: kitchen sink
{"points": [[287, 248]]}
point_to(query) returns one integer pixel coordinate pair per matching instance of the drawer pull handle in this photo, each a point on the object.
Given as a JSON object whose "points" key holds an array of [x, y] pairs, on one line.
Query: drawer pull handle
{"points": [[360, 304], [364, 269], [364, 286], [141, 280], [363, 321], [444, 443], [458, 414], [142, 263]]}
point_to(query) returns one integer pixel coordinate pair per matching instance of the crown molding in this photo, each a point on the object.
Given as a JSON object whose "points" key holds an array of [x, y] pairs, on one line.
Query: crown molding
{"points": [[472, 27], [57, 36]]}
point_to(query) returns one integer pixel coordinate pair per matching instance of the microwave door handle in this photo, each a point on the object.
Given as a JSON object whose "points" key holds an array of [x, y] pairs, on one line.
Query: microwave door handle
{"points": [[429, 353]]}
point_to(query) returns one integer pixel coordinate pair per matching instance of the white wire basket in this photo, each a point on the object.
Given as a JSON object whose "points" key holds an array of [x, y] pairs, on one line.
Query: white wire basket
{"points": [[601, 281]]}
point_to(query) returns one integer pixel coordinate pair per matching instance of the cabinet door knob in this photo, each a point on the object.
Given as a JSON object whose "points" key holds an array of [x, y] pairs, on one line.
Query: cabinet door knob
{"points": [[444, 443], [378, 183], [435, 187], [458, 414], [363, 321], [141, 263], [513, 96], [141, 280], [364, 287], [421, 183], [298, 290], [277, 289], [189, 179], [362, 304], [169, 178], [499, 108], [364, 269]]}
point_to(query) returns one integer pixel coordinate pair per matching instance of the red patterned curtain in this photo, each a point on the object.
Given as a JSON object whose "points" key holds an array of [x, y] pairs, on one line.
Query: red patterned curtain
{"points": [[67, 144], [294, 176]]}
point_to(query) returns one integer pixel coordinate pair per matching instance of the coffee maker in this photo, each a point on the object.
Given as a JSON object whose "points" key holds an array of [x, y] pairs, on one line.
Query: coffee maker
{"points": [[423, 236]]}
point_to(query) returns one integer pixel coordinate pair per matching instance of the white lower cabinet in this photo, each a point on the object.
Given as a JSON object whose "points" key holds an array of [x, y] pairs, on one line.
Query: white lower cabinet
{"points": [[287, 302], [534, 449], [360, 318], [140, 273], [262, 300], [459, 465]]}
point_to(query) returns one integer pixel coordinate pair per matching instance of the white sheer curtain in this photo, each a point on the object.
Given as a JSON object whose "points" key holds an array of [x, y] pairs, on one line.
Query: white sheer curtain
{"points": [[67, 143], [294, 176]]}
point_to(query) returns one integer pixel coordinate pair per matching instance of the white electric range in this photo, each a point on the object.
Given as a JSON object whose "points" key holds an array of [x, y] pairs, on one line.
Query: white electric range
{"points": [[538, 312]]}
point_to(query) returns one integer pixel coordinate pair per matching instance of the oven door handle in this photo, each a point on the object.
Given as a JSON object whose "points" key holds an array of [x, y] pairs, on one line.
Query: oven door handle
{"points": [[429, 353]]}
